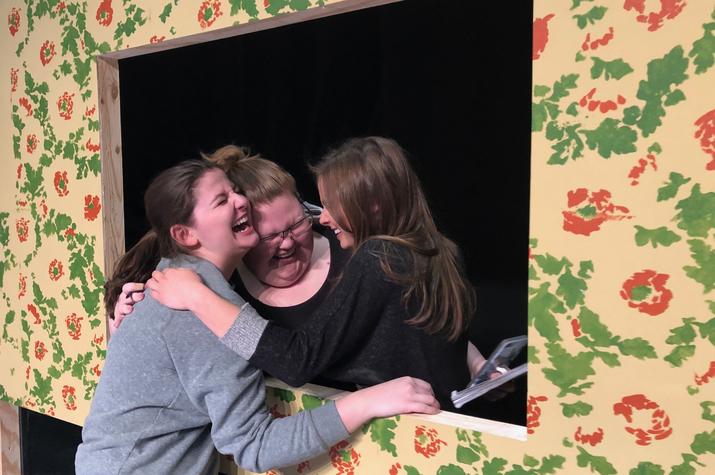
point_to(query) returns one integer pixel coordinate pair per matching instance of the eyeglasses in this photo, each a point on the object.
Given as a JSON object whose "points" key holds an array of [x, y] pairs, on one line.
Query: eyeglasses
{"points": [[298, 229]]}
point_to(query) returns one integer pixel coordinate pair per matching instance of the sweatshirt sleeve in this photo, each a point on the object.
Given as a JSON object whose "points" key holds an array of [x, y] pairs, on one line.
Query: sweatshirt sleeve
{"points": [[341, 325], [232, 393]]}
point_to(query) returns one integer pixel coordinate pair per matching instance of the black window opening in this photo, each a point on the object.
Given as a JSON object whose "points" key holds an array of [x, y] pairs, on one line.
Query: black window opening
{"points": [[450, 80]]}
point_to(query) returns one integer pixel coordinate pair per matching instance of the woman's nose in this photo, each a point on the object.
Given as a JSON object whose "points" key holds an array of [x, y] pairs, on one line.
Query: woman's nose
{"points": [[239, 200], [324, 218]]}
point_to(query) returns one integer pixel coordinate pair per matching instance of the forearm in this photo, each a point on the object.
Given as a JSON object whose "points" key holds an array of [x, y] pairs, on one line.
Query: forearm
{"points": [[475, 360], [214, 311]]}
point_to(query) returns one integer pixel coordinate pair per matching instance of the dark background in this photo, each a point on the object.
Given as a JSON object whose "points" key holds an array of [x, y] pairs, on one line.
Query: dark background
{"points": [[450, 80]]}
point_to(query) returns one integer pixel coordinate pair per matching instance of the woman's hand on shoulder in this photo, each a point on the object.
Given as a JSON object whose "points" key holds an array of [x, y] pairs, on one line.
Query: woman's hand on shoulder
{"points": [[398, 396], [132, 292], [175, 287]]}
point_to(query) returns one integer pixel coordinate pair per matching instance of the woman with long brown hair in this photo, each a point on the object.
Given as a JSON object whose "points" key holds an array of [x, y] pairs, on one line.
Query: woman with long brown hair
{"points": [[403, 303]]}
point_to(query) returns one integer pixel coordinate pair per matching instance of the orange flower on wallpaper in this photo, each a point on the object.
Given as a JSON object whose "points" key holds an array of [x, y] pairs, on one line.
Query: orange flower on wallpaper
{"points": [[22, 286], [22, 227], [56, 270], [47, 52], [104, 13], [587, 211], [40, 350], [31, 143], [706, 135], [540, 31], [591, 104], [533, 412], [13, 21], [344, 458], [589, 44], [13, 79], [65, 104], [61, 183], [705, 378], [25, 103], [669, 9], [427, 442], [74, 326], [592, 439], [33, 311], [646, 291], [660, 422], [91, 207], [209, 11], [69, 398]]}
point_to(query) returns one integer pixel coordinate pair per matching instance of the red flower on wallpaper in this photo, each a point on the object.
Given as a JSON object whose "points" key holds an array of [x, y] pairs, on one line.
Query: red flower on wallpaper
{"points": [[33, 311], [56, 270], [31, 143], [575, 327], [105, 12], [705, 378], [540, 31], [70, 232], [69, 398], [13, 79], [91, 207], [13, 21], [74, 326], [22, 226], [591, 104], [669, 9], [587, 211], [660, 422], [61, 183], [19, 171], [589, 44], [427, 442], [91, 146], [40, 350], [706, 135], [43, 208], [275, 413], [65, 104], [533, 412], [395, 468], [593, 439], [98, 340], [96, 371], [47, 52], [646, 292], [26, 105], [21, 286], [344, 458], [209, 11], [156, 39], [639, 169]]}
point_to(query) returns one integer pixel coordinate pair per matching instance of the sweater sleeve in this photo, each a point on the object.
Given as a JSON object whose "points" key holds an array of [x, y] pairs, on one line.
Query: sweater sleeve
{"points": [[341, 325], [232, 393]]}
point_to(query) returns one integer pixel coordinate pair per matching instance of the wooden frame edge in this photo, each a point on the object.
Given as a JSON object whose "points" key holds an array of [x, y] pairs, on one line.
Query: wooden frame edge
{"points": [[111, 159], [252, 26]]}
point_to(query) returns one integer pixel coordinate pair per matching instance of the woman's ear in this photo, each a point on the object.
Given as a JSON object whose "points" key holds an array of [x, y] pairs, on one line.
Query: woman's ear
{"points": [[184, 236]]}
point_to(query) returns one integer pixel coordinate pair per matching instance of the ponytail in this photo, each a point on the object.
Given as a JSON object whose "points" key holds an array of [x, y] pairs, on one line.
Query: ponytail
{"points": [[136, 265]]}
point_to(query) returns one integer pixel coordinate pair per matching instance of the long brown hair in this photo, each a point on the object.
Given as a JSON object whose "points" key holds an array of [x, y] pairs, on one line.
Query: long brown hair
{"points": [[260, 180], [372, 192], [168, 200]]}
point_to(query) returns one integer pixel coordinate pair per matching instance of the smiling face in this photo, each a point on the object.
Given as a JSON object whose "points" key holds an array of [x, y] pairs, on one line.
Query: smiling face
{"points": [[280, 262], [345, 238], [221, 221]]}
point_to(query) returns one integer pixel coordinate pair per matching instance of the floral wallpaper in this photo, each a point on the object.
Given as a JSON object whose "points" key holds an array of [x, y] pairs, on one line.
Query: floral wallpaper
{"points": [[621, 258]]}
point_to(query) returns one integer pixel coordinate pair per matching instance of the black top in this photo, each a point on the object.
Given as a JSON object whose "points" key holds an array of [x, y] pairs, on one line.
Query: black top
{"points": [[294, 316], [359, 335]]}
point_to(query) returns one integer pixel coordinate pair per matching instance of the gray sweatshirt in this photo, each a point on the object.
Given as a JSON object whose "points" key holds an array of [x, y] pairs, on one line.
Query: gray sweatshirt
{"points": [[170, 394]]}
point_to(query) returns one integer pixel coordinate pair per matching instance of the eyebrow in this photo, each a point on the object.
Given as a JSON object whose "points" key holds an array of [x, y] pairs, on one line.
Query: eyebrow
{"points": [[220, 195]]}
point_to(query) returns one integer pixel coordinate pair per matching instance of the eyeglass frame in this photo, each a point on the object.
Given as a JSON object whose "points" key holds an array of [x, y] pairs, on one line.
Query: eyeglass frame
{"points": [[289, 230]]}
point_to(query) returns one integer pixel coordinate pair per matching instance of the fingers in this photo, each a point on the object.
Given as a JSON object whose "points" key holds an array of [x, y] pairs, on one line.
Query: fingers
{"points": [[131, 287]]}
